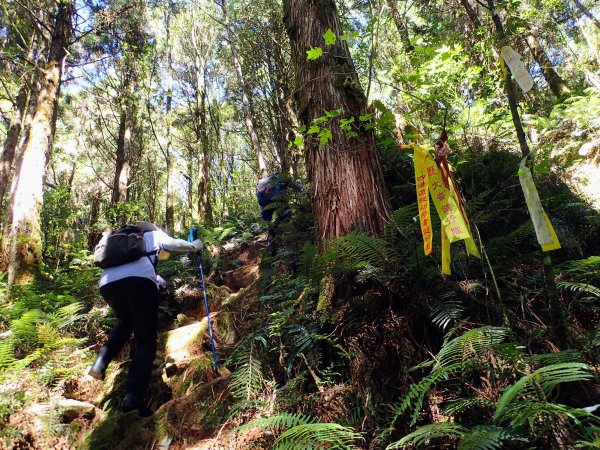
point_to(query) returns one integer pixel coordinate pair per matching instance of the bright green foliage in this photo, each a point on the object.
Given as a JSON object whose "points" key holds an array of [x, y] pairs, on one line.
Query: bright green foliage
{"points": [[524, 409], [329, 37], [318, 436], [538, 384], [422, 436], [247, 380], [314, 53]]}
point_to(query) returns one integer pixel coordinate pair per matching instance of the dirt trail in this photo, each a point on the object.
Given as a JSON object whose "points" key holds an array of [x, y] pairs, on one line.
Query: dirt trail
{"points": [[184, 383]]}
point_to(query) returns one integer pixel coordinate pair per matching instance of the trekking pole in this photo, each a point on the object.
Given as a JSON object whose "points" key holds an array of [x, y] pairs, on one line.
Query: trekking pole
{"points": [[193, 236]]}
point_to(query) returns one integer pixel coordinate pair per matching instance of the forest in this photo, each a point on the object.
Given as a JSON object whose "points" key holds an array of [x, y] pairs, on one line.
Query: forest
{"points": [[382, 217]]}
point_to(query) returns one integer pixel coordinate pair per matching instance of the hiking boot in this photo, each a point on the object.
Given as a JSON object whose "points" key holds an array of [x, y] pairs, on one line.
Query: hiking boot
{"points": [[98, 370], [132, 402]]}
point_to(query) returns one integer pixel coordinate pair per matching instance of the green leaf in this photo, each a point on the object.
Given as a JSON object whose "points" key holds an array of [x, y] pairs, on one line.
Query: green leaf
{"points": [[325, 136], [365, 117], [329, 37], [298, 141], [333, 113], [313, 129], [345, 124], [319, 120], [314, 53]]}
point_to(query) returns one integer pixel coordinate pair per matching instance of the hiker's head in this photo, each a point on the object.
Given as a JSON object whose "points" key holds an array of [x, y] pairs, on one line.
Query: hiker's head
{"points": [[146, 226]]}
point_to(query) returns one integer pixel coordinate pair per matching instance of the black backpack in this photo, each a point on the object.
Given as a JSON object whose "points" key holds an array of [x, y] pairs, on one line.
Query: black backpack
{"points": [[121, 247]]}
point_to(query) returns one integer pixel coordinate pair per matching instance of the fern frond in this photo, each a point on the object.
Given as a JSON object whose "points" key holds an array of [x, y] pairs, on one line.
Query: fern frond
{"points": [[533, 411], [416, 392], [589, 266], [485, 437], [463, 404], [313, 436], [247, 379], [309, 264], [541, 381], [66, 315], [473, 343], [423, 435], [402, 222], [361, 249], [565, 356], [7, 358], [579, 288], [444, 312], [277, 422], [25, 328]]}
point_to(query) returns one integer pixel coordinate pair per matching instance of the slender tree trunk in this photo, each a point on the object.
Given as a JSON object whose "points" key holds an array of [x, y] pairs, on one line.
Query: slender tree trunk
{"points": [[554, 80], [246, 96], [123, 167], [556, 311], [348, 191], [586, 12], [471, 12], [23, 243], [401, 26], [170, 196]]}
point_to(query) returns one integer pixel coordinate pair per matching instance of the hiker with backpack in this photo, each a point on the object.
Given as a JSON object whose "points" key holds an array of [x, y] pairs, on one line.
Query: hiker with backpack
{"points": [[272, 193], [129, 285]]}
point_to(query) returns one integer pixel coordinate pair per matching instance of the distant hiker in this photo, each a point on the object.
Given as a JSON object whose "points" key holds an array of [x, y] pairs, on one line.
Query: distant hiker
{"points": [[132, 291], [272, 193]]}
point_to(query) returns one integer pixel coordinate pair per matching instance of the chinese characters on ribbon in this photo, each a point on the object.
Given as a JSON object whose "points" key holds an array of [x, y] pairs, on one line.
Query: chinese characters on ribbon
{"points": [[455, 227]]}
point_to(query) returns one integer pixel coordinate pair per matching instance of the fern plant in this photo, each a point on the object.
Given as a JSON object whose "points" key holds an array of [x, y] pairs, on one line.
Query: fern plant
{"points": [[300, 432], [525, 410], [422, 436], [247, 380]]}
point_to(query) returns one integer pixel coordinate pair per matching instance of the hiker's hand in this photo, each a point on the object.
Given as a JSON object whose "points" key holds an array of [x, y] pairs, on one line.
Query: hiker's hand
{"points": [[198, 244]]}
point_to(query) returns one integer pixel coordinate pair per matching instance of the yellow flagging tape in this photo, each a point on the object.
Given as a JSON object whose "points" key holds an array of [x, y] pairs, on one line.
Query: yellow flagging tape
{"points": [[544, 231], [455, 226]]}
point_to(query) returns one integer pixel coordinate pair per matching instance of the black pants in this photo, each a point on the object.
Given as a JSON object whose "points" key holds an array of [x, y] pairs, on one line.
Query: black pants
{"points": [[135, 302]]}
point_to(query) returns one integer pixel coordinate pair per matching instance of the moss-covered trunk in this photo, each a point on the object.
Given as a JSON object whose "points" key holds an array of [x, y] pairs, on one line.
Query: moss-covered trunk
{"points": [[22, 244]]}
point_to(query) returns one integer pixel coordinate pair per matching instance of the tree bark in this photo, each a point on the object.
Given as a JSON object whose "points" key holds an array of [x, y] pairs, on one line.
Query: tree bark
{"points": [[401, 26], [123, 167], [170, 195], [348, 191], [554, 80], [246, 96], [22, 250]]}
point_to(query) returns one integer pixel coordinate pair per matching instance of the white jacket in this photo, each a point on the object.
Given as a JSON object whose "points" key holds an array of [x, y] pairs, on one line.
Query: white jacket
{"points": [[143, 267]]}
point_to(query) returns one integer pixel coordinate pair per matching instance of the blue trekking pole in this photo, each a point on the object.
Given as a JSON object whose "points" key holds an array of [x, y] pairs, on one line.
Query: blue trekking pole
{"points": [[192, 237]]}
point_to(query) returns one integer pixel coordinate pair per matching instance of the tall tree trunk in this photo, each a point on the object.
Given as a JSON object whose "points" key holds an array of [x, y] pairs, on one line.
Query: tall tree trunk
{"points": [[170, 195], [123, 167], [23, 244], [348, 191], [554, 80], [246, 95], [401, 26]]}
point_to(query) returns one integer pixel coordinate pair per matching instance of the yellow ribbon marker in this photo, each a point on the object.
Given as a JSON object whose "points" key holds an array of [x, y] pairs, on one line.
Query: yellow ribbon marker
{"points": [[544, 231], [420, 155], [455, 226], [446, 258]]}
